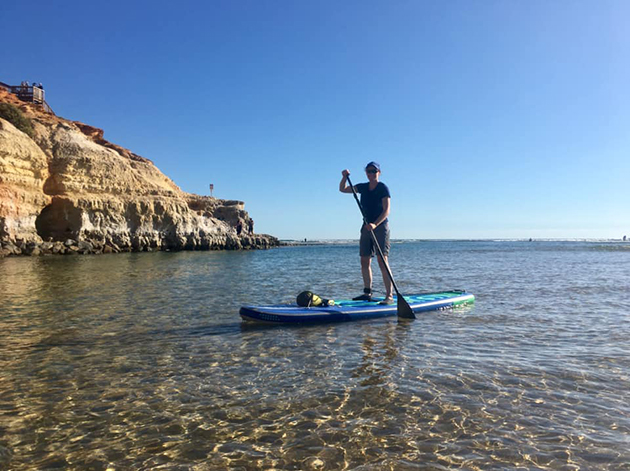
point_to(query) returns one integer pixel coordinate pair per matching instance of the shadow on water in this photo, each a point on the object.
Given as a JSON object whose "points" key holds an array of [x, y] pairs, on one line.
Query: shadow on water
{"points": [[261, 326]]}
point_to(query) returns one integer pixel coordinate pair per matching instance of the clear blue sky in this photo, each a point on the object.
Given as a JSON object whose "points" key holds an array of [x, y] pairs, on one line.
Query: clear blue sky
{"points": [[491, 119]]}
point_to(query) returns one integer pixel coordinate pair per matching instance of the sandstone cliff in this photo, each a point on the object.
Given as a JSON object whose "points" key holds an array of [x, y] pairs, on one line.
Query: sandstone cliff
{"points": [[68, 190]]}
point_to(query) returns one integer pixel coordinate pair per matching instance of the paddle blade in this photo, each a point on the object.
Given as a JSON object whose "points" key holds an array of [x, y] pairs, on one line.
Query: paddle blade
{"points": [[404, 309]]}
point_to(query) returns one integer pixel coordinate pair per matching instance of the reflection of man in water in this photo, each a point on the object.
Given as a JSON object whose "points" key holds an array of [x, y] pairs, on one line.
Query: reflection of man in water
{"points": [[380, 348]]}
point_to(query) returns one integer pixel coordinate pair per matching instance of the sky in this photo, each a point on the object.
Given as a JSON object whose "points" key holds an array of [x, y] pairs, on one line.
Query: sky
{"points": [[490, 118]]}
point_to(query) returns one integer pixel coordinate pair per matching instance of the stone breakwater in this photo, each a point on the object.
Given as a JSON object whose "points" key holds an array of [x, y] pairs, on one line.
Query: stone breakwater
{"points": [[66, 190]]}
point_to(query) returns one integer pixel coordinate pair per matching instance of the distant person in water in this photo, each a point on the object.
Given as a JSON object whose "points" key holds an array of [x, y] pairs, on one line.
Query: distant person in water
{"points": [[375, 199]]}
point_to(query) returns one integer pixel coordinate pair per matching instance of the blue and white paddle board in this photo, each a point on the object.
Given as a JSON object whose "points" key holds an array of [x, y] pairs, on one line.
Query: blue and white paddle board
{"points": [[353, 310]]}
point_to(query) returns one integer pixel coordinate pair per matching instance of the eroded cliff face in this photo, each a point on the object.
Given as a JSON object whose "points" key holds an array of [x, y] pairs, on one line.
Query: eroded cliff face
{"points": [[68, 190]]}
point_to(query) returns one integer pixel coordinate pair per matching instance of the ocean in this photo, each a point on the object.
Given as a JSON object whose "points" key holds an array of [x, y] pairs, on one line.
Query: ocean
{"points": [[140, 361]]}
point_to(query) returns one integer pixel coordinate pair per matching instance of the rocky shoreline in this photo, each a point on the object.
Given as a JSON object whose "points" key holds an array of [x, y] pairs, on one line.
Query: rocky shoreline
{"points": [[100, 246], [64, 189]]}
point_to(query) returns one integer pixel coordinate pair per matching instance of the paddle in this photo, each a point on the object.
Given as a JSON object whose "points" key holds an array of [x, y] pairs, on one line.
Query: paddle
{"points": [[404, 309]]}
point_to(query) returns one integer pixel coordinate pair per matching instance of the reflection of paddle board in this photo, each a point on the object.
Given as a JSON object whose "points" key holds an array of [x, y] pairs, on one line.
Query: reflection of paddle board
{"points": [[353, 310]]}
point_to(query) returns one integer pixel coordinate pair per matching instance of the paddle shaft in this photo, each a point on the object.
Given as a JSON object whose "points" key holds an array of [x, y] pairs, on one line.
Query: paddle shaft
{"points": [[401, 300]]}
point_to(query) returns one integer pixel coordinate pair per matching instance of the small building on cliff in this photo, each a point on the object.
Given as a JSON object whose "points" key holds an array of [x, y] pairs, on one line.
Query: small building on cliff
{"points": [[29, 93]]}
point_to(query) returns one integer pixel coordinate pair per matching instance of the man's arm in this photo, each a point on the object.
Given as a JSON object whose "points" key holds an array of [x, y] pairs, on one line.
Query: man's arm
{"points": [[384, 214], [343, 184]]}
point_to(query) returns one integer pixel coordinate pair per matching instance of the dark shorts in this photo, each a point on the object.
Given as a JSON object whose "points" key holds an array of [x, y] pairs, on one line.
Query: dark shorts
{"points": [[366, 244]]}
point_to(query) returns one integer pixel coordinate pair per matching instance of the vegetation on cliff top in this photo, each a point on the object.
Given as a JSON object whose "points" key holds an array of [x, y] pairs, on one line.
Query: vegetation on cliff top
{"points": [[13, 115]]}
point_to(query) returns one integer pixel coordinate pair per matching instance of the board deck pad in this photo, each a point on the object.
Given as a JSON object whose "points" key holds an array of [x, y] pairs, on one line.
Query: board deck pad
{"points": [[347, 310]]}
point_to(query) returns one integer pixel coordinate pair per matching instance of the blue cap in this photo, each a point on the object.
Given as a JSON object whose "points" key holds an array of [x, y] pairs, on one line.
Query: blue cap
{"points": [[373, 164]]}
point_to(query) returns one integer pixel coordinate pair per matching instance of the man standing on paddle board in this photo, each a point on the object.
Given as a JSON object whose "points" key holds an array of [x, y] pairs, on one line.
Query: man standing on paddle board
{"points": [[375, 199]]}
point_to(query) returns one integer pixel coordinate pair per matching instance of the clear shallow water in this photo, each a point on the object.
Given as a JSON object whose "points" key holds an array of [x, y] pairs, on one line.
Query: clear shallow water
{"points": [[140, 361]]}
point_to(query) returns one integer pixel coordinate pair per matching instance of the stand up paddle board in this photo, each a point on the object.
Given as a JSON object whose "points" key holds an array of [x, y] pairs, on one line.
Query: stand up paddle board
{"points": [[353, 310]]}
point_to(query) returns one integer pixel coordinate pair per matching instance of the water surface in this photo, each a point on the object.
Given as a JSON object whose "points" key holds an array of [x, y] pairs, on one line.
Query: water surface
{"points": [[140, 361]]}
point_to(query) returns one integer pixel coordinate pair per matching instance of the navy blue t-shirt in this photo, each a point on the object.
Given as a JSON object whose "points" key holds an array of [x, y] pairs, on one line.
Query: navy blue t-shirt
{"points": [[372, 201]]}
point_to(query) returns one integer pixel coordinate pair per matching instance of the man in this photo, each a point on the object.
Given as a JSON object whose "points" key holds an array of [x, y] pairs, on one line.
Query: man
{"points": [[375, 199]]}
